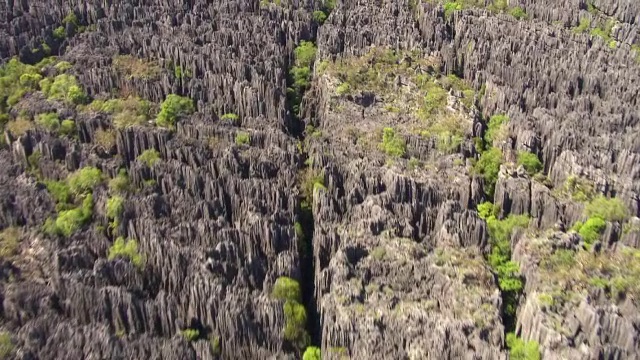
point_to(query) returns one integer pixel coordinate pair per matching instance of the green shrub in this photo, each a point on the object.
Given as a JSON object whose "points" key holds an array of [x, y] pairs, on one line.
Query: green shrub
{"points": [[448, 143], [487, 209], [301, 76], [215, 344], [64, 88], [591, 230], [120, 183], [127, 250], [286, 288], [242, 138], [71, 18], [30, 80], [305, 53], [450, 7], [518, 13], [495, 126], [127, 112], [343, 88], [62, 66], [295, 324], [379, 253], [59, 190], [312, 353], [329, 5], [19, 126], [434, 102], [311, 180], [173, 108], [126, 119], [579, 189], [6, 345], [507, 271], [319, 17], [49, 121], [393, 144], [522, 350], [489, 166], [9, 242], [530, 162], [59, 33], [84, 180], [191, 334], [230, 116], [69, 221], [585, 23], [115, 207], [150, 157], [105, 138], [179, 73], [608, 209], [134, 68], [67, 127]]}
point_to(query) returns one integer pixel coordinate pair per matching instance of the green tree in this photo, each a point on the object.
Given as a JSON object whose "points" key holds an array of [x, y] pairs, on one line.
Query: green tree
{"points": [[591, 230], [84, 180], [305, 53], [530, 162], [67, 127], [495, 124], [522, 350], [489, 166], [49, 121], [392, 143], [286, 288], [173, 108], [65, 88], [115, 208], [312, 353], [608, 209]]}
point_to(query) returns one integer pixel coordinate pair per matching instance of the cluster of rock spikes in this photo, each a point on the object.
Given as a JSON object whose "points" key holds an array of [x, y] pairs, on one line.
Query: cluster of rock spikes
{"points": [[307, 179]]}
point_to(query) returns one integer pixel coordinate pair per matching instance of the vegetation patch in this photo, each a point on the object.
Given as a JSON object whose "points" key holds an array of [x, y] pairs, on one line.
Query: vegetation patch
{"points": [[49, 121], [572, 274], [65, 88], [70, 221], [300, 74], [243, 138], [135, 68], [84, 180], [9, 242], [530, 162], [577, 189], [191, 334], [6, 345], [128, 112], [522, 350], [105, 139], [149, 157], [488, 166], [508, 271], [172, 109], [115, 208], [288, 289], [312, 353], [393, 144], [120, 184], [127, 250]]}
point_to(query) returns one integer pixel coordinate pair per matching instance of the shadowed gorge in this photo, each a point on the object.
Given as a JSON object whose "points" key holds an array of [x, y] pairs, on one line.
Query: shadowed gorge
{"points": [[306, 179]]}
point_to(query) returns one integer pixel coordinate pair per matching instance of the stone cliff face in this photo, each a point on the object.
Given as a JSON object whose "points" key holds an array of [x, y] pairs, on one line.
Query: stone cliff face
{"points": [[435, 176]]}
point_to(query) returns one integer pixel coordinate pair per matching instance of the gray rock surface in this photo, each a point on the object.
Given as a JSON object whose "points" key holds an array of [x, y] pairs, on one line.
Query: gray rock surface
{"points": [[395, 262]]}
